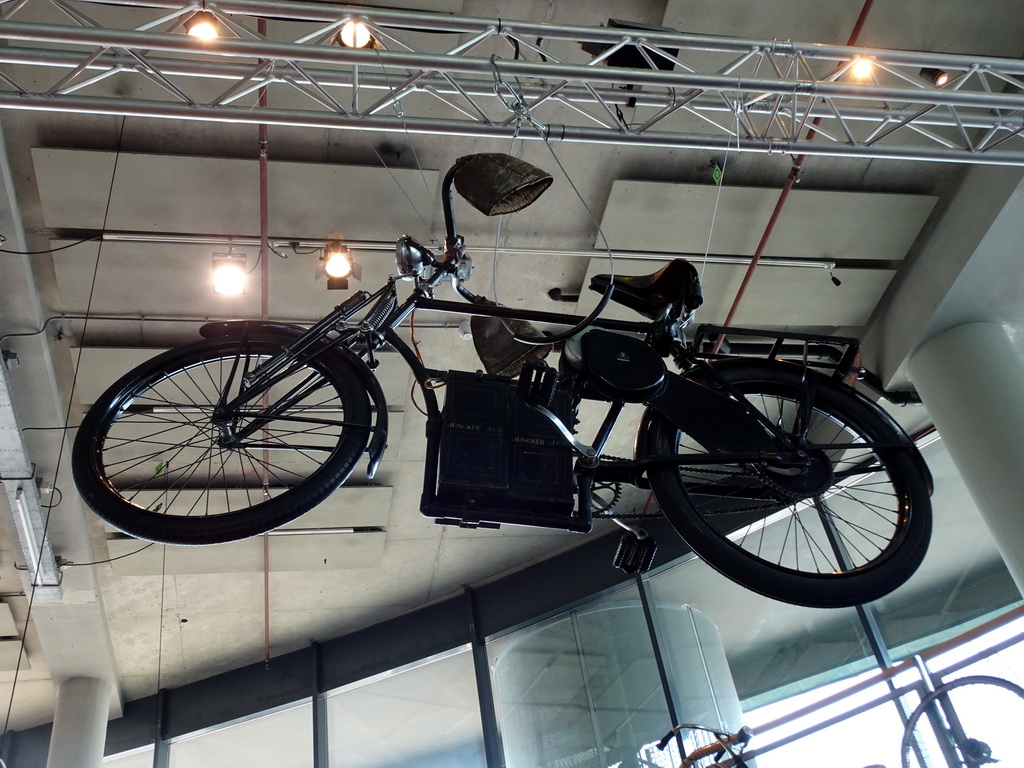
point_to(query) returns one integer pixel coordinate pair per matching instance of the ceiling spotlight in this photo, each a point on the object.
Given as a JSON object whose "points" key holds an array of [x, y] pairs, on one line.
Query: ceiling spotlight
{"points": [[936, 77], [202, 25], [337, 265], [862, 68], [229, 270], [355, 34], [337, 262]]}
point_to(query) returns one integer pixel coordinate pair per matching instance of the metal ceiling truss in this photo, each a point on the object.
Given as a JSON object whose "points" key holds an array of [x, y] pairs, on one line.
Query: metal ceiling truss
{"points": [[461, 76]]}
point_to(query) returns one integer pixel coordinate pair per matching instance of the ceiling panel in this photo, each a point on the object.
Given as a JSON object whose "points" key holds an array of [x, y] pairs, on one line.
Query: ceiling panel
{"points": [[365, 506], [7, 626], [776, 296], [176, 280], [10, 653], [174, 193], [312, 552], [349, 507], [675, 218]]}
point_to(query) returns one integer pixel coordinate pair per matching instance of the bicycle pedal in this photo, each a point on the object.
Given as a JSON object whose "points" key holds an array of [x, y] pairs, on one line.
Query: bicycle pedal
{"points": [[635, 555], [538, 383], [624, 552]]}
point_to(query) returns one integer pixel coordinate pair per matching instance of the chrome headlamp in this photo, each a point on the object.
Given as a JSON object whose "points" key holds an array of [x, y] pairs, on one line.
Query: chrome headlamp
{"points": [[413, 260]]}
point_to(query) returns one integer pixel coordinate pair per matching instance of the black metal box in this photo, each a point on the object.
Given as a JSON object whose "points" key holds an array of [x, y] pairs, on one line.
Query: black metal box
{"points": [[501, 460]]}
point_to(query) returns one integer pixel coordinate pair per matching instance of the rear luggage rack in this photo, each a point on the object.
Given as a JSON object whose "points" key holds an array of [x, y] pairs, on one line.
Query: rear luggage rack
{"points": [[837, 355]]}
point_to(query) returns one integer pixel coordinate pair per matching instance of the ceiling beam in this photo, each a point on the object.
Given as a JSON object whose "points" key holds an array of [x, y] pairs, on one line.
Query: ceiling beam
{"points": [[714, 93]]}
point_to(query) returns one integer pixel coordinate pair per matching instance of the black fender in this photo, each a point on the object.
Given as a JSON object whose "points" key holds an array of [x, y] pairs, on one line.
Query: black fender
{"points": [[288, 332], [696, 386]]}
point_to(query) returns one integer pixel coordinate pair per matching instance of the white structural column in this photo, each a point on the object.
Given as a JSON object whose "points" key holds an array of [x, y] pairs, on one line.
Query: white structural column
{"points": [[80, 723], [971, 379]]}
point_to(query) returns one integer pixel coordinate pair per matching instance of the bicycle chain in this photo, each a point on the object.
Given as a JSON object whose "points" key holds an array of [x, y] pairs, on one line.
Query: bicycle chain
{"points": [[610, 514], [703, 469]]}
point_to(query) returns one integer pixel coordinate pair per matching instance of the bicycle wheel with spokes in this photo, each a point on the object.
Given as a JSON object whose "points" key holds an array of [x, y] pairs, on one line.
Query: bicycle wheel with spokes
{"points": [[966, 723], [160, 456], [847, 528]]}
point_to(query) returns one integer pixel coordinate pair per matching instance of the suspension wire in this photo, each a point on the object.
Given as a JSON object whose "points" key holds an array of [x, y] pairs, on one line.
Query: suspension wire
{"points": [[515, 103], [400, 111], [63, 438], [718, 196]]}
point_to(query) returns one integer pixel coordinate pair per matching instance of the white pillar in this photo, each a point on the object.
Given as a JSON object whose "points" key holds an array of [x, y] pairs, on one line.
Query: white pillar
{"points": [[80, 723], [971, 380]]}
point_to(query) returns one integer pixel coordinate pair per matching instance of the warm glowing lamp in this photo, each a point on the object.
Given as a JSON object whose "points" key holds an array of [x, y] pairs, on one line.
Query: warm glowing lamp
{"points": [[202, 25], [337, 262], [228, 274], [862, 68], [355, 34]]}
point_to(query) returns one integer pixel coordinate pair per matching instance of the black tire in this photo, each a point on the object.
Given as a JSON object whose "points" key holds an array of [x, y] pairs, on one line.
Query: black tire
{"points": [[149, 460], [965, 723], [769, 532]]}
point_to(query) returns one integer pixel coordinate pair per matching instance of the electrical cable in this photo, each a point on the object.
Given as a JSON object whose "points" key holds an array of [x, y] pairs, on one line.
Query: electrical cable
{"points": [[60, 495], [46, 322], [109, 559], [49, 250]]}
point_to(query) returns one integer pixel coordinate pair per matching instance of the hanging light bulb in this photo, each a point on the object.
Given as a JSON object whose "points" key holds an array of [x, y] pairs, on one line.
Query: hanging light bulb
{"points": [[862, 68], [202, 25], [229, 271], [355, 34], [337, 262]]}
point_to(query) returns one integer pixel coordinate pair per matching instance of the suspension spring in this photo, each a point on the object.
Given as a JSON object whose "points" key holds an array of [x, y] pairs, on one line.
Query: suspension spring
{"points": [[380, 313]]}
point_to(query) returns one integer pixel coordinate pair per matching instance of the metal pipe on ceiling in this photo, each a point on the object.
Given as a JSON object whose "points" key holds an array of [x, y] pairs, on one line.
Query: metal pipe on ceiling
{"points": [[441, 22], [413, 125], [511, 69], [973, 101], [387, 245], [227, 70]]}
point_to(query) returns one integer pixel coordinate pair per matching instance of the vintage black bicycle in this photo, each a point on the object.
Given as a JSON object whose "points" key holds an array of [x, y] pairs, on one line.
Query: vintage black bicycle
{"points": [[776, 472]]}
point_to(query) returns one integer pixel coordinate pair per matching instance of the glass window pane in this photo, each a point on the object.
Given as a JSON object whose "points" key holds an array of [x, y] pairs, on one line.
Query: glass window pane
{"points": [[283, 739], [962, 581], [774, 650], [137, 758], [981, 660], [581, 690], [427, 715], [871, 738]]}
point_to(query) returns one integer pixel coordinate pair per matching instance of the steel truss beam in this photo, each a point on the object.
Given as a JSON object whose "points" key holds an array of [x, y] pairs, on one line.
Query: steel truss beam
{"points": [[463, 76]]}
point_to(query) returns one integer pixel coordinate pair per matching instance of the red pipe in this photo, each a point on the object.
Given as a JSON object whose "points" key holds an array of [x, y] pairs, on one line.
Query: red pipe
{"points": [[261, 28], [794, 172]]}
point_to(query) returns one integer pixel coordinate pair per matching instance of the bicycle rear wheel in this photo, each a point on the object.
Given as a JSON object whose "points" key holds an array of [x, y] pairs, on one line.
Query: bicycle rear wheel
{"points": [[969, 722], [154, 460], [848, 529]]}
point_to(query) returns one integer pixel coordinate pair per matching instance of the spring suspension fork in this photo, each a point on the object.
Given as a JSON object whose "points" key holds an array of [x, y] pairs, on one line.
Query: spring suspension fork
{"points": [[376, 316]]}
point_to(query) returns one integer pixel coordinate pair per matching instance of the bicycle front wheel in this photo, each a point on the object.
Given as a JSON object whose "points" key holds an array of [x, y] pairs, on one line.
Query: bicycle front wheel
{"points": [[154, 460], [969, 722], [848, 528]]}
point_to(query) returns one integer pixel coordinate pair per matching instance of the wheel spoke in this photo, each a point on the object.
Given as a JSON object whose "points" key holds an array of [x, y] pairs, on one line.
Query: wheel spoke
{"points": [[167, 465], [817, 533]]}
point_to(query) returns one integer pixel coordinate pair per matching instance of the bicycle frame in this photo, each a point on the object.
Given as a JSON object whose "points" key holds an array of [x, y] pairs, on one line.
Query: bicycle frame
{"points": [[721, 419], [751, 436]]}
